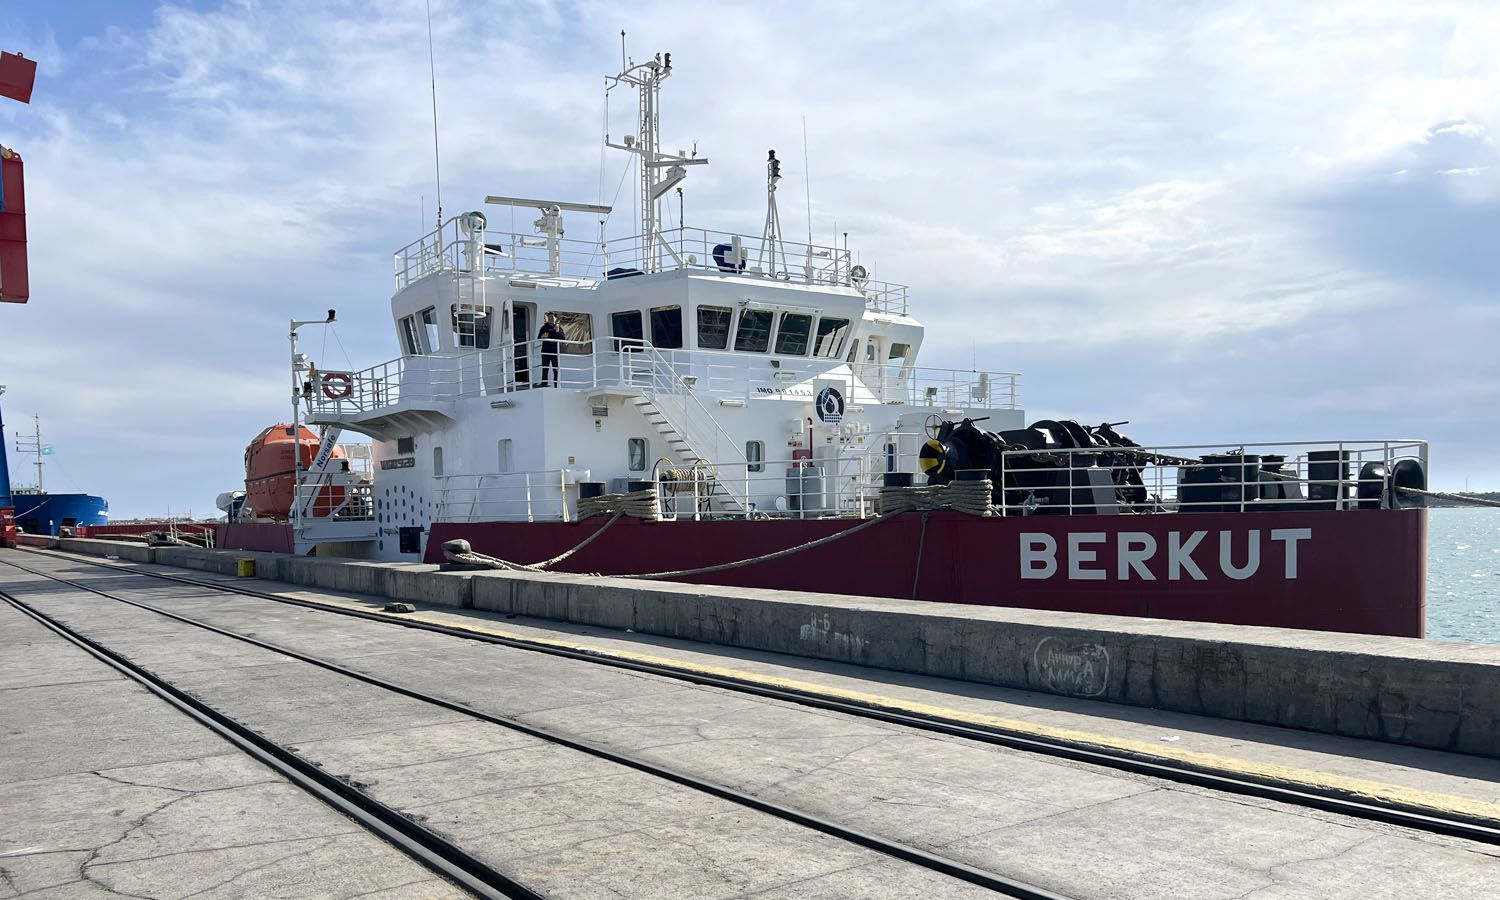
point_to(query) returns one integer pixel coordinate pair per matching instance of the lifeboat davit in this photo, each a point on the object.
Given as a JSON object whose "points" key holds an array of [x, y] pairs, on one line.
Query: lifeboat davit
{"points": [[270, 474]]}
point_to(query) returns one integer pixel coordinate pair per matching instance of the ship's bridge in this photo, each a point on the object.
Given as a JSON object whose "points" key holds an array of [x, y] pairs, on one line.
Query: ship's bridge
{"points": [[726, 317], [466, 245]]}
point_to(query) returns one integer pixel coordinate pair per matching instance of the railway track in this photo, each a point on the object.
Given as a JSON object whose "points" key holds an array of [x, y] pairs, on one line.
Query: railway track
{"points": [[424, 845], [1391, 813]]}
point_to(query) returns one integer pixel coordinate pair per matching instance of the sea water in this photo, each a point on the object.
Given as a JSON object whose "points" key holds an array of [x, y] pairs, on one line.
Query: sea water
{"points": [[1463, 575]]}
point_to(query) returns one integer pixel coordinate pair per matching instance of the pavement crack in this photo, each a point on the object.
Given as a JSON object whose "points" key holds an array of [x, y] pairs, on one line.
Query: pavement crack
{"points": [[828, 765], [136, 825], [265, 865], [382, 890], [53, 684], [500, 791], [1064, 812], [796, 881]]}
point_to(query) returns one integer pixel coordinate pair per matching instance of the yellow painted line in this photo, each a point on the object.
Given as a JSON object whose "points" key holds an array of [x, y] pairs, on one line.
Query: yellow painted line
{"points": [[1356, 788]]}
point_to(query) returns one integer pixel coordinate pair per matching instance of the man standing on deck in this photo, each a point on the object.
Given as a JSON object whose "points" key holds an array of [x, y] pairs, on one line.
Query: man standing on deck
{"points": [[550, 335]]}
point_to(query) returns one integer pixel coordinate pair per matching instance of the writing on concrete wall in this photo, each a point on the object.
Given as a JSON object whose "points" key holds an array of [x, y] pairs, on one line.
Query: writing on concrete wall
{"points": [[1077, 668], [820, 631], [1137, 555]]}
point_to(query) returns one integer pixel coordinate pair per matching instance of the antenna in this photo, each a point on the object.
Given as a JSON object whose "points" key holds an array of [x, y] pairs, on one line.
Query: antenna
{"points": [[807, 185], [771, 238], [658, 172], [437, 159]]}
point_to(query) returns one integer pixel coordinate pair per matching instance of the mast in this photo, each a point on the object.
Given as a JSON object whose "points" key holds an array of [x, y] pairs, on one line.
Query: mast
{"points": [[37, 421], [659, 172], [5, 500], [34, 446]]}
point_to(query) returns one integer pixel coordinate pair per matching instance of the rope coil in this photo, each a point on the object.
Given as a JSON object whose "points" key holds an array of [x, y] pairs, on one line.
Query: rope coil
{"points": [[972, 497], [636, 504]]}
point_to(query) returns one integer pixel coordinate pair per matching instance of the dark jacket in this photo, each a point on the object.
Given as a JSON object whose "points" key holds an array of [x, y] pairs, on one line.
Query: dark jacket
{"points": [[550, 335]]}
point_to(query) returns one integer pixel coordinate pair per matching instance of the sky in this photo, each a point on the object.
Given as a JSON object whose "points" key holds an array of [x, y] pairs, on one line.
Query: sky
{"points": [[1225, 222]]}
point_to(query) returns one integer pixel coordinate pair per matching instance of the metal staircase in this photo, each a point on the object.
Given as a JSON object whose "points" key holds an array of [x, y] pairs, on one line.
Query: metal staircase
{"points": [[691, 432]]}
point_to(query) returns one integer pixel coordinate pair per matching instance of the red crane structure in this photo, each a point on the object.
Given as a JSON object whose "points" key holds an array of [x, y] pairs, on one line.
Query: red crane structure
{"points": [[17, 77]]}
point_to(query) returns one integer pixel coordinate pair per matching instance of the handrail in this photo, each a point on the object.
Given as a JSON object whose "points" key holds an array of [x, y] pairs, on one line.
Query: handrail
{"points": [[1168, 477], [503, 252], [716, 373]]}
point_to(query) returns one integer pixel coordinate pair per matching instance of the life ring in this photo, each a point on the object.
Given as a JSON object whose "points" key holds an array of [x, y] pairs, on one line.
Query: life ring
{"points": [[337, 385]]}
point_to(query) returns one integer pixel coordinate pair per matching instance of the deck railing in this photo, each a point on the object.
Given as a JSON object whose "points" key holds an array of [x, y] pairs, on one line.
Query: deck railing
{"points": [[570, 261], [1287, 475], [712, 376], [1310, 475]]}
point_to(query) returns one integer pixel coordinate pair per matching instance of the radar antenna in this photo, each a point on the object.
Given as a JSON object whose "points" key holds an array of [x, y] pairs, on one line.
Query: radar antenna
{"points": [[659, 172], [770, 239]]}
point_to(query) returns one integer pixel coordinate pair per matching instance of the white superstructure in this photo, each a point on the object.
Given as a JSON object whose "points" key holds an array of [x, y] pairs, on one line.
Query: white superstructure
{"points": [[745, 375]]}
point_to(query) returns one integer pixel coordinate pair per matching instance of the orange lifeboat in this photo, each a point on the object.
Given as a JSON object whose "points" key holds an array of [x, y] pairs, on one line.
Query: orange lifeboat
{"points": [[269, 472]]}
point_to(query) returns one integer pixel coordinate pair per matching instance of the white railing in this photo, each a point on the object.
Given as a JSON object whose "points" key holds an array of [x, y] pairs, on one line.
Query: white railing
{"points": [[842, 486], [1312, 475], [565, 260], [1203, 477], [334, 495], [613, 363], [537, 496]]}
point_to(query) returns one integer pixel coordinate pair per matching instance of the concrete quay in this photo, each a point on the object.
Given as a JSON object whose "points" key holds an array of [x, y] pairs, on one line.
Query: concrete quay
{"points": [[1428, 694], [108, 792], [575, 829]]}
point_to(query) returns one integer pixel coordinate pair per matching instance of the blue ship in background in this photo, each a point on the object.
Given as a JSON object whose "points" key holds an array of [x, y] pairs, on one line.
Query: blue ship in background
{"points": [[40, 512]]}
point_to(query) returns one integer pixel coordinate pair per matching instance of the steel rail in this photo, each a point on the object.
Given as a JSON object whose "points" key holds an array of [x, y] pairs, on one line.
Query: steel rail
{"points": [[905, 852], [440, 856], [1244, 784]]}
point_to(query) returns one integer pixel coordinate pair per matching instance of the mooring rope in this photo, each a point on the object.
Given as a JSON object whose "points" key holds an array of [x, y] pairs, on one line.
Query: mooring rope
{"points": [[460, 551], [971, 497], [1456, 498], [767, 557]]}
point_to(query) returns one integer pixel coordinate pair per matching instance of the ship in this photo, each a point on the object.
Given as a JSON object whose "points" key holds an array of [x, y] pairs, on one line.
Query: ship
{"points": [[748, 410], [33, 509]]}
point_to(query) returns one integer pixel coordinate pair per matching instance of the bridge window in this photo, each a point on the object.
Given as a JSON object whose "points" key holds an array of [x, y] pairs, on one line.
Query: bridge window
{"points": [[896, 359], [831, 334], [411, 343], [471, 326], [754, 333], [666, 327], [578, 332], [713, 327], [755, 455], [637, 454], [626, 328], [791, 335], [428, 317]]}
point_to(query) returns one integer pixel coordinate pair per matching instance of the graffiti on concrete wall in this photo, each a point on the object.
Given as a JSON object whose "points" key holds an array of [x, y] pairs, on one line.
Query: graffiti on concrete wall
{"points": [[1070, 668]]}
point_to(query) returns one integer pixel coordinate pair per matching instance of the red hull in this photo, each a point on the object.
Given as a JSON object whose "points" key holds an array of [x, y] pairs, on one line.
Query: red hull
{"points": [[1354, 571]]}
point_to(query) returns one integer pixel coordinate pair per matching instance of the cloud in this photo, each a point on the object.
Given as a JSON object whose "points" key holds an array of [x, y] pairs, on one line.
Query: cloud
{"points": [[1427, 214], [1186, 213]]}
